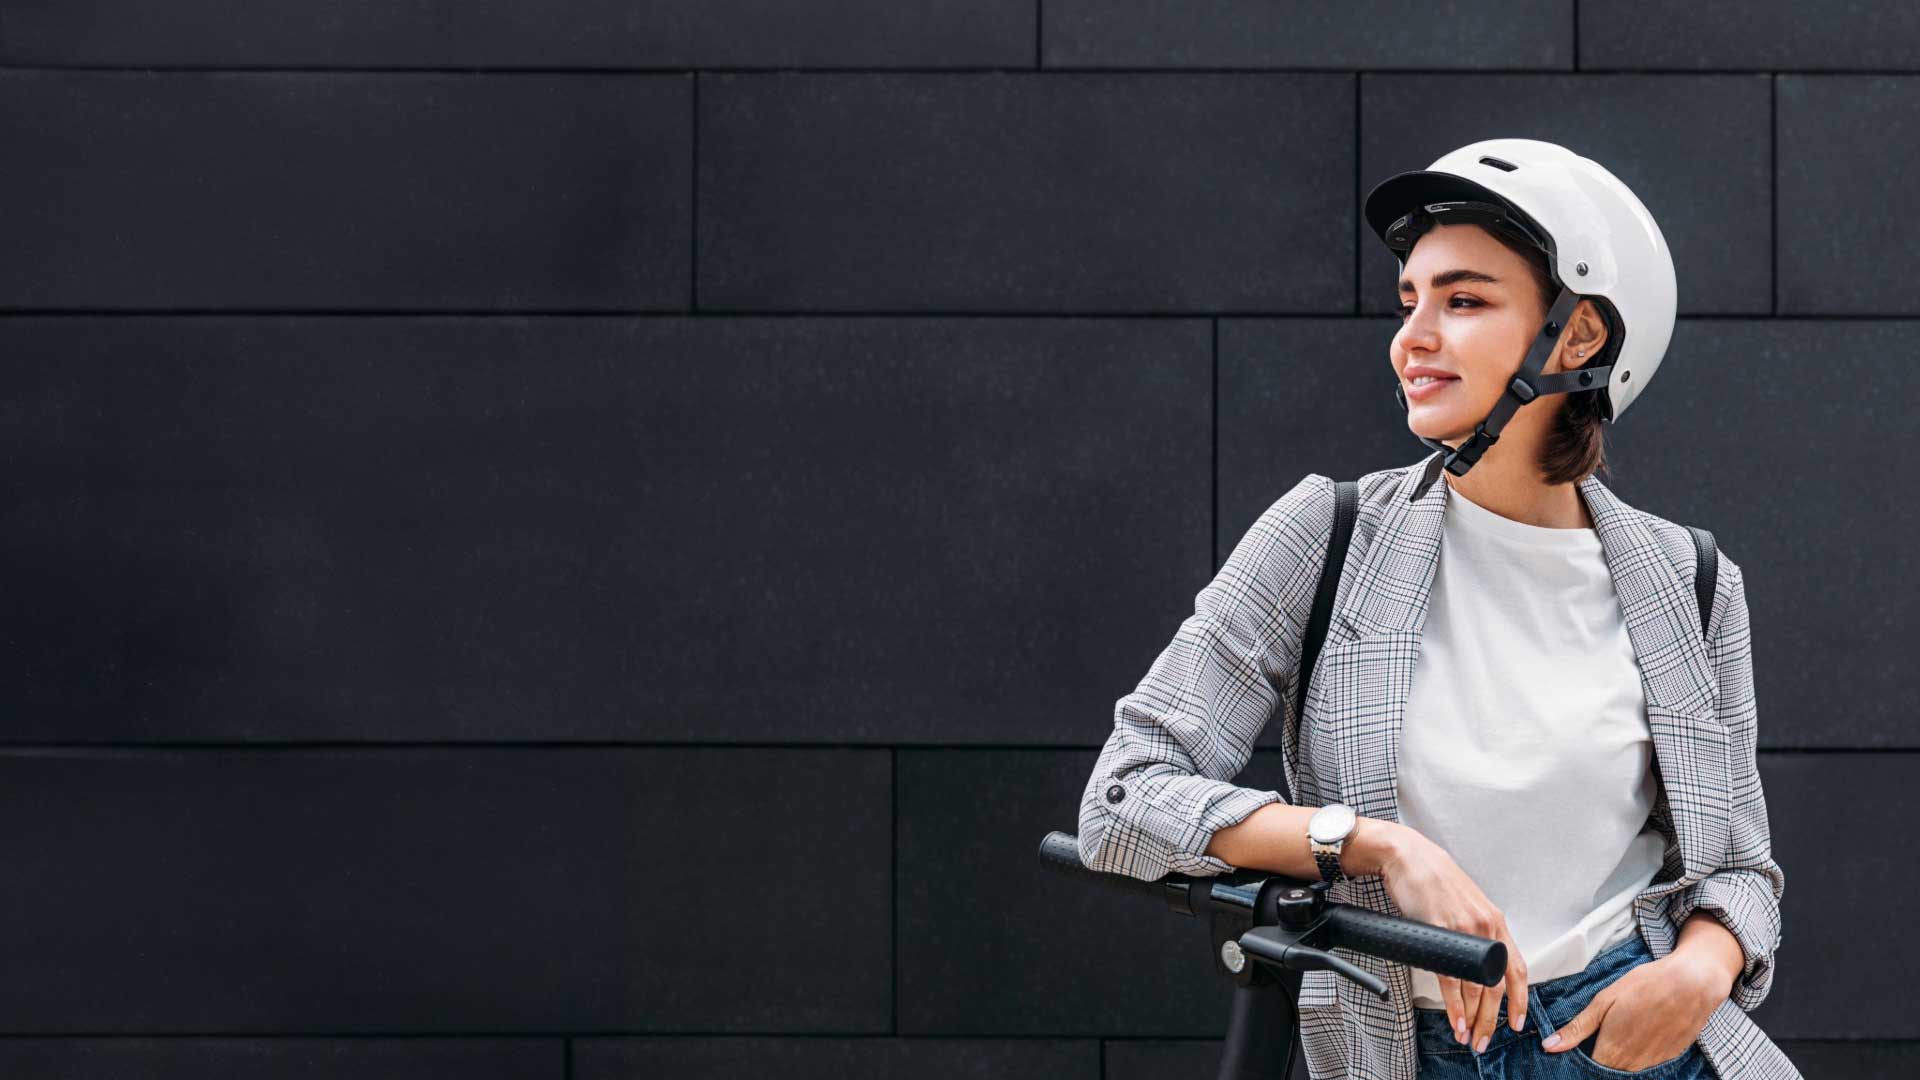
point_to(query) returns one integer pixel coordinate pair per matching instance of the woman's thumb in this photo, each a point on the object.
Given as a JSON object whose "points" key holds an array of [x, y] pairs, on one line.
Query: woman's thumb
{"points": [[1574, 1031]]}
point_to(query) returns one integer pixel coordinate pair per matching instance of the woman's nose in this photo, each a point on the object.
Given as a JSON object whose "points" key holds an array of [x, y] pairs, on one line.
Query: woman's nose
{"points": [[1418, 329]]}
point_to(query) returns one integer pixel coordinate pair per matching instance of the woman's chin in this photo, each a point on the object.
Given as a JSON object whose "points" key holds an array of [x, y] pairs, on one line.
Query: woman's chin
{"points": [[1431, 428]]}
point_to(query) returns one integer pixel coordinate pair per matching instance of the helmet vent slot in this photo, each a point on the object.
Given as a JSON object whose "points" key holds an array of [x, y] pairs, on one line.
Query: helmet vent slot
{"points": [[1498, 164]]}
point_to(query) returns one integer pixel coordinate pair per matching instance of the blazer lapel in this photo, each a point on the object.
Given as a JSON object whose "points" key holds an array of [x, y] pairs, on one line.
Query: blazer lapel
{"points": [[1382, 607], [1663, 622]]}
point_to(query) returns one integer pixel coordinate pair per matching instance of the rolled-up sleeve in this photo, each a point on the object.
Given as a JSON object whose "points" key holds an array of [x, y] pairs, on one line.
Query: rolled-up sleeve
{"points": [[1162, 785], [1744, 893]]}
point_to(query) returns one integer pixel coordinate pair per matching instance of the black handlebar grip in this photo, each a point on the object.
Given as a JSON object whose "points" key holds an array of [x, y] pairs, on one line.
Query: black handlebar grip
{"points": [[1060, 852], [1422, 945]]}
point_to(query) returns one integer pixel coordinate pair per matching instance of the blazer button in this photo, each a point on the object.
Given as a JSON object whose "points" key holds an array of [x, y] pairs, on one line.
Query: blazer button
{"points": [[1116, 793]]}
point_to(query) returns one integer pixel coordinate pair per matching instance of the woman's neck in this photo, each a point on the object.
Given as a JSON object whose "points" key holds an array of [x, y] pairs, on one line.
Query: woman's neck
{"points": [[1510, 486]]}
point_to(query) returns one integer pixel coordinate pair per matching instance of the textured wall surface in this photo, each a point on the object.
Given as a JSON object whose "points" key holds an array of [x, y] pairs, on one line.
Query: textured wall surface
{"points": [[592, 539]]}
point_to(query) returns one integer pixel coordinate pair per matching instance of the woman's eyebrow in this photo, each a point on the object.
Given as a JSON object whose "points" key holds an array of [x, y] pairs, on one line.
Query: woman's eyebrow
{"points": [[1448, 277]]}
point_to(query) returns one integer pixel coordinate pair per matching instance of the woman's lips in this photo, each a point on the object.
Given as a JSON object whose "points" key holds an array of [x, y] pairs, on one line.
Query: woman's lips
{"points": [[1421, 393]]}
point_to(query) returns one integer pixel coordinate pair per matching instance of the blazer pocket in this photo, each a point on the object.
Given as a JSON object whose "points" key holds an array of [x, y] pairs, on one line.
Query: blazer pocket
{"points": [[1353, 705]]}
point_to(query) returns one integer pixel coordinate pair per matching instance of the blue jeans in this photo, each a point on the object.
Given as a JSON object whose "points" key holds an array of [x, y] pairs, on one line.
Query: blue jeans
{"points": [[1517, 1055]]}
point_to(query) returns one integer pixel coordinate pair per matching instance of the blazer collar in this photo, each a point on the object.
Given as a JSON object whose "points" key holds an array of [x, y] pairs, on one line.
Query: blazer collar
{"points": [[1394, 582]]}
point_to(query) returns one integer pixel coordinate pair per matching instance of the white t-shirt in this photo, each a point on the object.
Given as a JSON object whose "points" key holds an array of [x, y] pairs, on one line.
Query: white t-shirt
{"points": [[1525, 750]]}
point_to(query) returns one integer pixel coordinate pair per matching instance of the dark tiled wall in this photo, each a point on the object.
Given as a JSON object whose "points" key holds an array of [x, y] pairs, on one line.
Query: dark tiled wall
{"points": [[592, 539]]}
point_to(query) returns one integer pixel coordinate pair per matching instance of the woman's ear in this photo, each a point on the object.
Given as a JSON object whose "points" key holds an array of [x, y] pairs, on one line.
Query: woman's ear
{"points": [[1586, 333]]}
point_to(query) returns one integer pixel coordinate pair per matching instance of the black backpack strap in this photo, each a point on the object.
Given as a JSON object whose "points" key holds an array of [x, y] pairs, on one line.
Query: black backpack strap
{"points": [[1346, 507], [1706, 572]]}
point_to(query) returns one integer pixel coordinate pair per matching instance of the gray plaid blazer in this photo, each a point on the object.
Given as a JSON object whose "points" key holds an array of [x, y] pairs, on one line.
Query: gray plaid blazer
{"points": [[1162, 784]]}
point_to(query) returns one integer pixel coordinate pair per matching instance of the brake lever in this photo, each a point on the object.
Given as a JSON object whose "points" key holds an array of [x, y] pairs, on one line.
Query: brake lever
{"points": [[1280, 947]]}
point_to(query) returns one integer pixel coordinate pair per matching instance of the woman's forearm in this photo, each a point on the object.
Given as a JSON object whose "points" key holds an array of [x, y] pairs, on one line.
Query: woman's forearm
{"points": [[1274, 838], [1704, 938]]}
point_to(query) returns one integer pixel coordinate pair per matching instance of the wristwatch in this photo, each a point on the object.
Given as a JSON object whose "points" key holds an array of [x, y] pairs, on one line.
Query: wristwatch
{"points": [[1327, 832]]}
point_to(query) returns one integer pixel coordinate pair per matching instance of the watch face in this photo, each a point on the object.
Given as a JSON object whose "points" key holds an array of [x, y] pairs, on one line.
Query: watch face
{"points": [[1331, 822]]}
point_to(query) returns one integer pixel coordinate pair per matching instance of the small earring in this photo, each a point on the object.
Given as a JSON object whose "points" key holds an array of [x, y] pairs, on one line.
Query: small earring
{"points": [[1581, 352]]}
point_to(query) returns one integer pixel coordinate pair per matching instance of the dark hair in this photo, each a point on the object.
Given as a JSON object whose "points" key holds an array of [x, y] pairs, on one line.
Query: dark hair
{"points": [[1576, 444]]}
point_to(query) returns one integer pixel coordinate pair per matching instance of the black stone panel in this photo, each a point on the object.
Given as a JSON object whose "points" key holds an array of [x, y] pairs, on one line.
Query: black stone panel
{"points": [[788, 530], [1846, 939], [441, 891], [1007, 191], [482, 34], [329, 191], [993, 943], [290, 1058], [1694, 148], [822, 1058], [1305, 34], [1836, 1059], [1779, 35], [1301, 396], [1847, 154], [1154, 1059]]}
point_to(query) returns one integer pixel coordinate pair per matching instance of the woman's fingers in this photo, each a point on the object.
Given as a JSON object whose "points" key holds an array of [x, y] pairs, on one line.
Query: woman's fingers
{"points": [[1489, 1015], [1456, 1007], [1516, 988]]}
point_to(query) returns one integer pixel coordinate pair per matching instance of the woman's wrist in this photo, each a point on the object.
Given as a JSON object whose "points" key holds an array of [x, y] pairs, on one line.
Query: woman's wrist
{"points": [[1704, 943], [1370, 847]]}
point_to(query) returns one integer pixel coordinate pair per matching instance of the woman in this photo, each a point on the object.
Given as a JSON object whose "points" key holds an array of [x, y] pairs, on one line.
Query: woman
{"points": [[1515, 727]]}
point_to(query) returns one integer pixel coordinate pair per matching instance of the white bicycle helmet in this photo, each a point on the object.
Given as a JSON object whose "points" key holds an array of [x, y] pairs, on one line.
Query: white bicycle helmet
{"points": [[1601, 244]]}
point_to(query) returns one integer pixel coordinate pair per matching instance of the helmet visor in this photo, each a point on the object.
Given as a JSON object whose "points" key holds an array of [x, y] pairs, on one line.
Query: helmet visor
{"points": [[1401, 233], [1392, 200]]}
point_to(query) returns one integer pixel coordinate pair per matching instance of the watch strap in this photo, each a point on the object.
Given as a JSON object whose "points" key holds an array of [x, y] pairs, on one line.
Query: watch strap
{"points": [[1327, 857]]}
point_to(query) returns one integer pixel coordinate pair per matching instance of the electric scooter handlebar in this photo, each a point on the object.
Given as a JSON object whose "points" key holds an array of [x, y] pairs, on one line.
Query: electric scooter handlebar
{"points": [[1314, 924], [1060, 852], [1417, 944]]}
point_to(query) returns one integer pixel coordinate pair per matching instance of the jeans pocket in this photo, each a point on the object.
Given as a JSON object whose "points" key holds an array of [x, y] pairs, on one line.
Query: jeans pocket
{"points": [[1672, 1067]]}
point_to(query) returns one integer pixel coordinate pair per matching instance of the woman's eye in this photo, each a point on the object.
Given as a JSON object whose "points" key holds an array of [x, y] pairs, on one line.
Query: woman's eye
{"points": [[1407, 309]]}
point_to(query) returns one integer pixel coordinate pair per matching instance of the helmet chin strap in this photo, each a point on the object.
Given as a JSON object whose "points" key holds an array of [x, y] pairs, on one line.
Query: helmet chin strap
{"points": [[1526, 385]]}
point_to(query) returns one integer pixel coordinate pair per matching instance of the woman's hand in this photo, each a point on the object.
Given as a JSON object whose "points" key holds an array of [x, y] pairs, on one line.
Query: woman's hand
{"points": [[1426, 884], [1647, 1016]]}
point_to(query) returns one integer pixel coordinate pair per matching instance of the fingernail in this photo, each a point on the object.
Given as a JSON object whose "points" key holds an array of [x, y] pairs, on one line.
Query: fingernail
{"points": [[1481, 1046], [1460, 1031], [1551, 1041]]}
